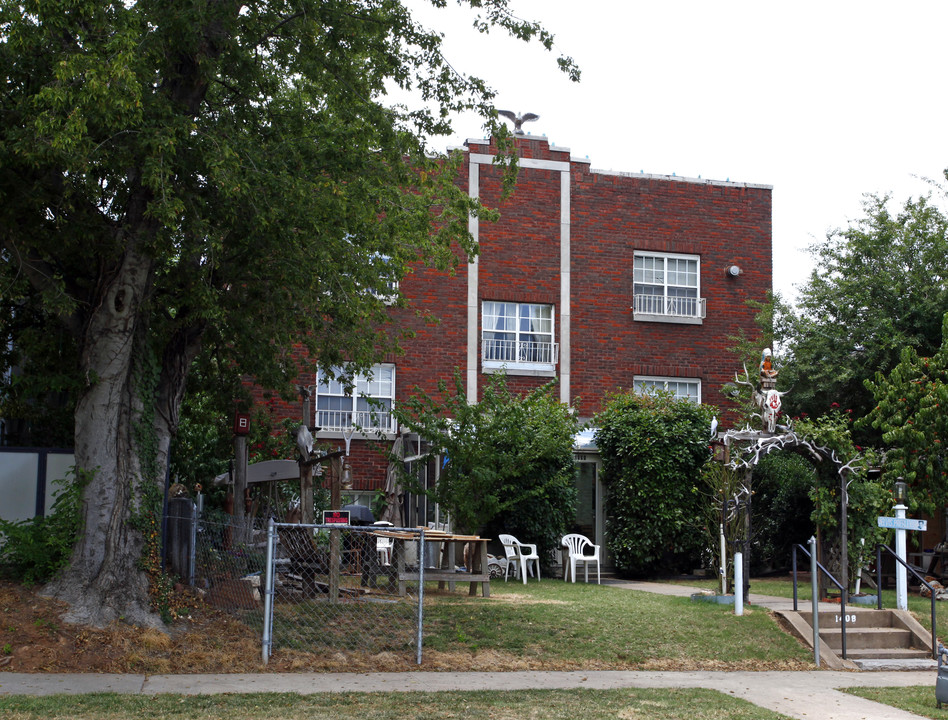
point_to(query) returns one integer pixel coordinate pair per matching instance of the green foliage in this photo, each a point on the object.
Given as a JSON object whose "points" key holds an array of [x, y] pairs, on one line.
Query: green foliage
{"points": [[271, 440], [910, 413], [250, 158], [203, 444], [652, 450], [223, 186], [868, 498], [36, 389], [771, 325], [34, 550], [509, 461], [878, 286], [782, 507]]}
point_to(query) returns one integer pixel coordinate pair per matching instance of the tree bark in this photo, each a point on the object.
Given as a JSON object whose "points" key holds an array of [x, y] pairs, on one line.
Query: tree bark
{"points": [[124, 424]]}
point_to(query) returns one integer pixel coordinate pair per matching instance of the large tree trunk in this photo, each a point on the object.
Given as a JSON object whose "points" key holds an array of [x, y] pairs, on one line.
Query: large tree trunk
{"points": [[124, 422]]}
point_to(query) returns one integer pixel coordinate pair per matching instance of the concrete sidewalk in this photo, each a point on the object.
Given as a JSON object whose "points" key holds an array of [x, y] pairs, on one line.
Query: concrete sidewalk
{"points": [[768, 601], [802, 695]]}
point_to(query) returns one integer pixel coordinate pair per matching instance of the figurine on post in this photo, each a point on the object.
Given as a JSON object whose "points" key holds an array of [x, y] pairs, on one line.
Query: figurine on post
{"points": [[766, 396]]}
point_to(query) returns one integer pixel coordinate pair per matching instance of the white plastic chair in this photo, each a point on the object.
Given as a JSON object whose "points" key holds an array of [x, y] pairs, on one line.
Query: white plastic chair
{"points": [[383, 545], [520, 555], [577, 545]]}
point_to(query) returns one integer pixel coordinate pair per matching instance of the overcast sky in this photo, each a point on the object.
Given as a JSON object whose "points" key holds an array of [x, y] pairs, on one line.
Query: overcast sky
{"points": [[824, 101]]}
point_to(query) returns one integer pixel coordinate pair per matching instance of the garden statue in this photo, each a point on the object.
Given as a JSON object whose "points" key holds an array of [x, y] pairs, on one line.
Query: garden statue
{"points": [[766, 396]]}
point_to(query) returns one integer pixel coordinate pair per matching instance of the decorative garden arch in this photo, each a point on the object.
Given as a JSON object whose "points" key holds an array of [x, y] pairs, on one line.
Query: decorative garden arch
{"points": [[744, 448]]}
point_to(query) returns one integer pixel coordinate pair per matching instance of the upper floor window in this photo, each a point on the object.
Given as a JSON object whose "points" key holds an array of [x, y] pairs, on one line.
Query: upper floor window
{"points": [[361, 400], [666, 288], [389, 290], [681, 388], [518, 337]]}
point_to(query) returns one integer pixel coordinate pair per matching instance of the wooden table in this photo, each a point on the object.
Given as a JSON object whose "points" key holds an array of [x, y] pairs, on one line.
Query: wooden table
{"points": [[445, 572]]}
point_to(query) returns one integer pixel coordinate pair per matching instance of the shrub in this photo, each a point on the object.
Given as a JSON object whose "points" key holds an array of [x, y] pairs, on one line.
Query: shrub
{"points": [[34, 550], [509, 461], [782, 508], [652, 449]]}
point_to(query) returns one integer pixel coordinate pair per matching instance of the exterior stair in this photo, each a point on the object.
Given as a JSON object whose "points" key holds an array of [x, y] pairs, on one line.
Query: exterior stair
{"points": [[872, 636]]}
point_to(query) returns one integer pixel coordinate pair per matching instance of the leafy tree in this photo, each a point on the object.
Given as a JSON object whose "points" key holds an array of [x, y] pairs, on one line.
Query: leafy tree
{"points": [[652, 449], [509, 459], [214, 180], [868, 498], [879, 286], [36, 391], [202, 442], [910, 413]]}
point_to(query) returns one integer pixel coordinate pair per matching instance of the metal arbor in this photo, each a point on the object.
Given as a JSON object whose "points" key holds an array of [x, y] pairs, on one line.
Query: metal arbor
{"points": [[744, 449]]}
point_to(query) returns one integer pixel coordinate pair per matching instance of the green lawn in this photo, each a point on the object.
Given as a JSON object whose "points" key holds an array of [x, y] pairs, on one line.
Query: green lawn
{"points": [[919, 699], [603, 627], [655, 704]]}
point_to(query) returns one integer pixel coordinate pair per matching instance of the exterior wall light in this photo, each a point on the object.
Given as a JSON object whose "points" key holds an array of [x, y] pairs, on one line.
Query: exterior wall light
{"points": [[735, 270]]}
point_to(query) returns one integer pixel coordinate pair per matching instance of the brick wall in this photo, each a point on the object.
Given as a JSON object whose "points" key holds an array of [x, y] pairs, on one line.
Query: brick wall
{"points": [[612, 215]]}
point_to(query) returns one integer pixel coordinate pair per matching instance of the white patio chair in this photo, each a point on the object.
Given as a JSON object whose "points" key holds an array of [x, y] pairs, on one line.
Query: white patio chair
{"points": [[520, 556], [383, 545], [577, 545]]}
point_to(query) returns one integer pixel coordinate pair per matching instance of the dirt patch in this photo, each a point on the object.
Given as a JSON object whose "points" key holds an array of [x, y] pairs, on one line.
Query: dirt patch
{"points": [[34, 638], [516, 599]]}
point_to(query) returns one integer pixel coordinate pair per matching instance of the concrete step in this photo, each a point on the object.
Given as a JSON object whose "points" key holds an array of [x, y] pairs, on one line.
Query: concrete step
{"points": [[872, 638], [887, 653], [863, 617]]}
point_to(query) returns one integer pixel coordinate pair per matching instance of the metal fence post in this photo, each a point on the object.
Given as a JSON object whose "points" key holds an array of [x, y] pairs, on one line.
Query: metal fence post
{"points": [[192, 549], [268, 593], [421, 589], [815, 589]]}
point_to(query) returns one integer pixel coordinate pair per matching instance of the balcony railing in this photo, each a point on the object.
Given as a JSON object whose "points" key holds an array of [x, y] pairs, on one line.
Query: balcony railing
{"points": [[671, 306], [340, 420], [520, 351]]}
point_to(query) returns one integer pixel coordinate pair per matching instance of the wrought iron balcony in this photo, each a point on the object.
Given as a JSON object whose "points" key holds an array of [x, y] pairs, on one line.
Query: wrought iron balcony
{"points": [[670, 306], [341, 420], [520, 352]]}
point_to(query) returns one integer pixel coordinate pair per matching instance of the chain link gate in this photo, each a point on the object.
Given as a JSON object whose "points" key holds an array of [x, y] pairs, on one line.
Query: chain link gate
{"points": [[337, 587], [319, 589]]}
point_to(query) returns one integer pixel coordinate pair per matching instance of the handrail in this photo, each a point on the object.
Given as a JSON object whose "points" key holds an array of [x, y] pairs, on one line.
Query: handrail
{"points": [[842, 593], [931, 589]]}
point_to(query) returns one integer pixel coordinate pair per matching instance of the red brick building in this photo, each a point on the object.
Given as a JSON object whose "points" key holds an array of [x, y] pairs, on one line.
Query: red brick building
{"points": [[604, 280]]}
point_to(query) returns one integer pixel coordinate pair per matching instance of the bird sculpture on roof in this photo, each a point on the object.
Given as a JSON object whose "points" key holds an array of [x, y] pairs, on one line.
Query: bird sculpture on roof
{"points": [[518, 120]]}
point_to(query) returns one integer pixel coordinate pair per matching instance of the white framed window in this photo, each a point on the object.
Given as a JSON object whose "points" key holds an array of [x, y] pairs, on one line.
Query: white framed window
{"points": [[518, 337], [682, 388], [389, 293], [362, 400], [667, 288]]}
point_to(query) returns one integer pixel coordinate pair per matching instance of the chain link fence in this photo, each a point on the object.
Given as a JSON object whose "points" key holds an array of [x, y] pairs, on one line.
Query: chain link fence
{"points": [[321, 589], [338, 587]]}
